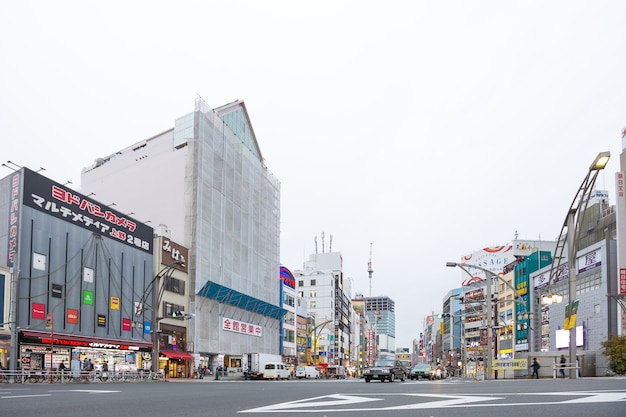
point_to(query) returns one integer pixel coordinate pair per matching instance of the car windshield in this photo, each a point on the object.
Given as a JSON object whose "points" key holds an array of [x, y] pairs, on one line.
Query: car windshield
{"points": [[422, 367], [384, 363], [300, 368]]}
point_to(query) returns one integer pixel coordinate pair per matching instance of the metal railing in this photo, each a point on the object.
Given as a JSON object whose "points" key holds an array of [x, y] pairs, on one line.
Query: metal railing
{"points": [[41, 376]]}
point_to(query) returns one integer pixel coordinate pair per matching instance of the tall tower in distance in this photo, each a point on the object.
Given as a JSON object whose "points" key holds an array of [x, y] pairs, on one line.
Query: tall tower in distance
{"points": [[370, 271]]}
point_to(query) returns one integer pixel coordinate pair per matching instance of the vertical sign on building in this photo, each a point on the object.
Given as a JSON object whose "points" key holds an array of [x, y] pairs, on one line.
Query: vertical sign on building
{"points": [[14, 217]]}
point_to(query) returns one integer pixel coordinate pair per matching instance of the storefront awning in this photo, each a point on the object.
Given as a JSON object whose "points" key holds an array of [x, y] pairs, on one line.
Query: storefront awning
{"points": [[178, 355], [84, 341]]}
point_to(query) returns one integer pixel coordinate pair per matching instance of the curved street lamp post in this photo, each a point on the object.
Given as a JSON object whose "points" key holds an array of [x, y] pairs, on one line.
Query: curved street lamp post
{"points": [[156, 288], [569, 236]]}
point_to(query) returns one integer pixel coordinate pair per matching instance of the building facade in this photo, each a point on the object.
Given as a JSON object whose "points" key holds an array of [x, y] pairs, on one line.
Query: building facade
{"points": [[206, 180], [78, 269], [322, 286], [381, 313], [288, 338]]}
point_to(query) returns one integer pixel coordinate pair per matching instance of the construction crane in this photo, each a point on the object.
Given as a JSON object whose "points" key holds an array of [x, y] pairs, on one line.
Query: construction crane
{"points": [[370, 271]]}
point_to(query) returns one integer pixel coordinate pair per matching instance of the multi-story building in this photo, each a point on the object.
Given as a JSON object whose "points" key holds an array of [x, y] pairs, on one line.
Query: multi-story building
{"points": [[288, 334], [206, 180], [596, 283], [5, 316], [381, 312], [322, 286], [360, 335], [620, 190], [451, 329], [78, 268], [170, 319], [303, 332]]}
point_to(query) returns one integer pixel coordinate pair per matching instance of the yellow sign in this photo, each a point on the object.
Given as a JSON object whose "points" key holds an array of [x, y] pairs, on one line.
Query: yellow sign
{"points": [[115, 303], [510, 364]]}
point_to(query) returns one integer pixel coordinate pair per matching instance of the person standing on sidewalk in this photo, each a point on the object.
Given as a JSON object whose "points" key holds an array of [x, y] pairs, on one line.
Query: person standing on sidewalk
{"points": [[562, 362]]}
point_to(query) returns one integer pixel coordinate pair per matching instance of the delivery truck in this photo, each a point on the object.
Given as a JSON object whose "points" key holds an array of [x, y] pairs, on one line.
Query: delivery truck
{"points": [[255, 363]]}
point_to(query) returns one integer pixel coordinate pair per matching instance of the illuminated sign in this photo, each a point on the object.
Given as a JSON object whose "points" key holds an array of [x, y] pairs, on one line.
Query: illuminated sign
{"points": [[287, 277]]}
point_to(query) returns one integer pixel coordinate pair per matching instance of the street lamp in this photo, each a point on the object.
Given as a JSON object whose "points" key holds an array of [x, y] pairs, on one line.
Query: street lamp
{"points": [[569, 232], [157, 293], [316, 331]]}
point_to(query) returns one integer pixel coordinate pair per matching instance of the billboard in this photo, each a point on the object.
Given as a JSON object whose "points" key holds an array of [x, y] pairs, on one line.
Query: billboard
{"points": [[43, 194]]}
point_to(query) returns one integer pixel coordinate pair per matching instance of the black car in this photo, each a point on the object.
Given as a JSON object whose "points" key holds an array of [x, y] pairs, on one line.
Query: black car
{"points": [[385, 370], [424, 371]]}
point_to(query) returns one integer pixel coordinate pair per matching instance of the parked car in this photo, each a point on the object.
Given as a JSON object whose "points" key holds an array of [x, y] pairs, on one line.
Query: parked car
{"points": [[276, 370], [422, 370], [307, 372], [385, 370]]}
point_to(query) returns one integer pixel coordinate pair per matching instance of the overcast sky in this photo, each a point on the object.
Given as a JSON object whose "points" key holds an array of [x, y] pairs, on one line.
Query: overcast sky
{"points": [[430, 129]]}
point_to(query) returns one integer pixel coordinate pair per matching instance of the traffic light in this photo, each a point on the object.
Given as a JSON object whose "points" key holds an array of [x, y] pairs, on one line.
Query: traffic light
{"points": [[442, 315]]}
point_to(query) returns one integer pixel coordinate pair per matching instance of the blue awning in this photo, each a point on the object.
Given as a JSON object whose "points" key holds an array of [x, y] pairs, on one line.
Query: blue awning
{"points": [[231, 297]]}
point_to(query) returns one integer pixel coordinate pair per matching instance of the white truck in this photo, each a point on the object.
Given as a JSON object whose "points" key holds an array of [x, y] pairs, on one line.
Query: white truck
{"points": [[255, 363]]}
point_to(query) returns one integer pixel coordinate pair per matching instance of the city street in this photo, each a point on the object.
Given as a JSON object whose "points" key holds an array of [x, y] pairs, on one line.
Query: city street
{"points": [[351, 397]]}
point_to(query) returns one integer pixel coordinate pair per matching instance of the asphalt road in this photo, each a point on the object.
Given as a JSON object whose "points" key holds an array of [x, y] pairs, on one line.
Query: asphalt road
{"points": [[595, 397]]}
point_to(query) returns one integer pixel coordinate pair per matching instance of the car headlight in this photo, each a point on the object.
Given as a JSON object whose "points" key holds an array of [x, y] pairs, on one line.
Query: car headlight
{"points": [[385, 371]]}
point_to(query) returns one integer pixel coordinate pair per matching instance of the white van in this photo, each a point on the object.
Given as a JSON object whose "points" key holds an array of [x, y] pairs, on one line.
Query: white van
{"points": [[276, 370], [307, 372]]}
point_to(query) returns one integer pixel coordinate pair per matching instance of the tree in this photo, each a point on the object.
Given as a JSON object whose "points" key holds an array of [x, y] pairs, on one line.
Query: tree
{"points": [[615, 350]]}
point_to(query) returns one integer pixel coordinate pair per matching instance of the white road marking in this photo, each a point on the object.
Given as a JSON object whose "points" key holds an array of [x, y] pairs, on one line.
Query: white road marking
{"points": [[88, 391], [26, 396], [441, 402]]}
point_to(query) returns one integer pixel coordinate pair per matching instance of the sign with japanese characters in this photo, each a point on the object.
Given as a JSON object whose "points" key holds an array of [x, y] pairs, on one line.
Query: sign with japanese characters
{"points": [[237, 326], [172, 252], [14, 217], [43, 194]]}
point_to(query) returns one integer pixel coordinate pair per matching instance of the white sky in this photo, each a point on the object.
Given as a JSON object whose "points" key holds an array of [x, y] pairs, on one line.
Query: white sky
{"points": [[431, 129]]}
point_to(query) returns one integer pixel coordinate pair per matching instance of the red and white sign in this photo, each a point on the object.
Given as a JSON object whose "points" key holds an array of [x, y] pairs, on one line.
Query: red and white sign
{"points": [[126, 324], [622, 280], [72, 316], [241, 327], [39, 311]]}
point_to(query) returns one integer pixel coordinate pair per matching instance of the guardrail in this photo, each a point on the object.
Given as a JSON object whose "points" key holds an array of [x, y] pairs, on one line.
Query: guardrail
{"points": [[568, 366], [40, 376]]}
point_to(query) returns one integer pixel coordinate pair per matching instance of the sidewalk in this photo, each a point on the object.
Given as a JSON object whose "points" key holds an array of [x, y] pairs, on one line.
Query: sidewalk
{"points": [[210, 378]]}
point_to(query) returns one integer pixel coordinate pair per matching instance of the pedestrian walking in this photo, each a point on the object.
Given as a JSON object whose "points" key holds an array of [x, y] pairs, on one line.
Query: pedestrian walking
{"points": [[562, 361], [535, 365]]}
